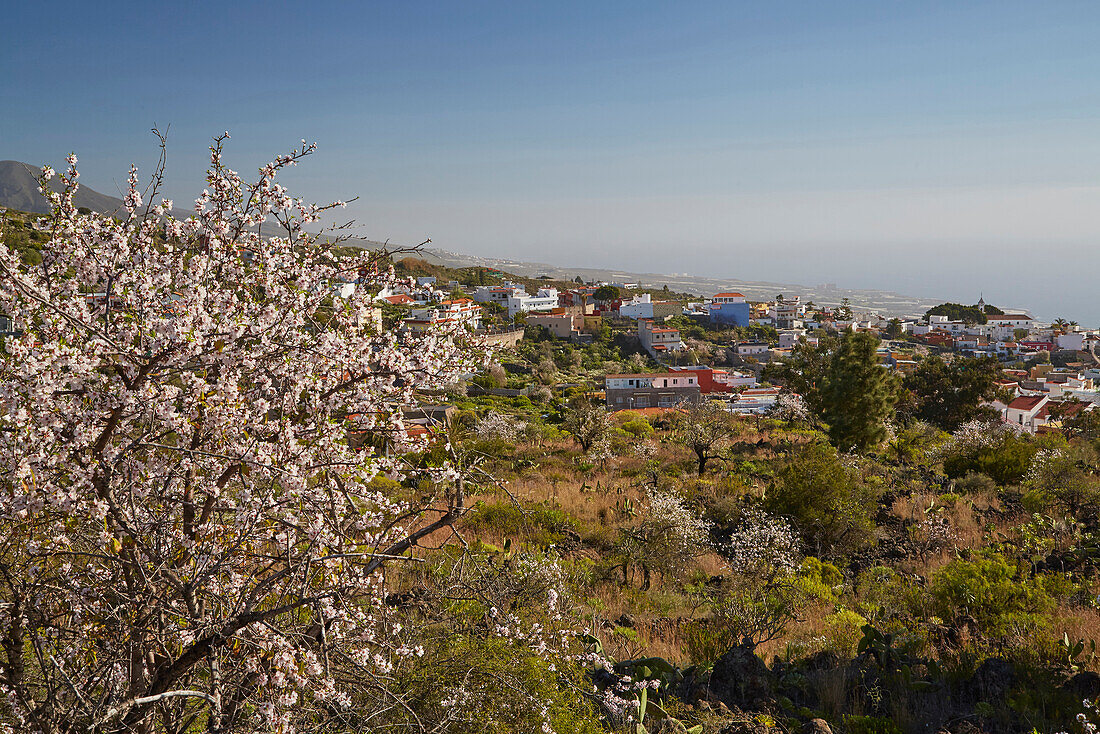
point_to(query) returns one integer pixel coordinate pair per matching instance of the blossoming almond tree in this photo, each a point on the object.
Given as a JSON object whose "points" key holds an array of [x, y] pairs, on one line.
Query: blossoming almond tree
{"points": [[190, 538]]}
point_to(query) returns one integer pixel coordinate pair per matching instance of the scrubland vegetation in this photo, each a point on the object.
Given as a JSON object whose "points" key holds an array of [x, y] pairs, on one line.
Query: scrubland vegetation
{"points": [[942, 581]]}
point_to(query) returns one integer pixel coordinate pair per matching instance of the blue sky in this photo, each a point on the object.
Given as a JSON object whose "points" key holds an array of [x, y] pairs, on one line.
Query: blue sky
{"points": [[935, 148]]}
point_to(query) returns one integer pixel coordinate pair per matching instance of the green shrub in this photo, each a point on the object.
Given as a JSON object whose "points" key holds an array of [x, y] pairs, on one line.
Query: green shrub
{"points": [[819, 579], [706, 640], [504, 689], [1066, 479], [386, 486], [1006, 462], [887, 599], [870, 725], [828, 502], [538, 524], [639, 427], [975, 483], [995, 593], [843, 631]]}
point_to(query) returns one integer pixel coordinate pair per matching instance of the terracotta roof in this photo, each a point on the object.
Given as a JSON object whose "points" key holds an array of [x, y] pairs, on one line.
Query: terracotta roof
{"points": [[1026, 402], [1068, 409], [729, 295]]}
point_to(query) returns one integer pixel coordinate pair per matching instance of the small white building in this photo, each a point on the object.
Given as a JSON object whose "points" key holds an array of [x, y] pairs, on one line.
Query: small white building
{"points": [[755, 400], [787, 339], [1016, 321], [751, 349], [1022, 411], [638, 307], [1073, 340], [658, 340], [460, 312], [514, 298]]}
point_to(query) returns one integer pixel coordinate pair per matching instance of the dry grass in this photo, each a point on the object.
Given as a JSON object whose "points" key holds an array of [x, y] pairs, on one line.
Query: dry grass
{"points": [[1081, 623]]}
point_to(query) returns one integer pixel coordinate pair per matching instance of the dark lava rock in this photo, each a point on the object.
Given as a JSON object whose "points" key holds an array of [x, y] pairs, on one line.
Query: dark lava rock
{"points": [[742, 680], [625, 620], [993, 679], [1083, 685]]}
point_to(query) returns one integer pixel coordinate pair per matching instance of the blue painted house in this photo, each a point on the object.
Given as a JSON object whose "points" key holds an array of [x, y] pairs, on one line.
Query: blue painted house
{"points": [[729, 309]]}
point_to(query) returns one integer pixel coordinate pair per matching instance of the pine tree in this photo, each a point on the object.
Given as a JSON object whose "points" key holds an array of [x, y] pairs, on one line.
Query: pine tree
{"points": [[858, 395]]}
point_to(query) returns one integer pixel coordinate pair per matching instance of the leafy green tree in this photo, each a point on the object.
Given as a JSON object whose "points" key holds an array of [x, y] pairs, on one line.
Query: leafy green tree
{"points": [[893, 328], [958, 312], [606, 293], [827, 501], [804, 370], [948, 395], [1086, 424], [858, 394]]}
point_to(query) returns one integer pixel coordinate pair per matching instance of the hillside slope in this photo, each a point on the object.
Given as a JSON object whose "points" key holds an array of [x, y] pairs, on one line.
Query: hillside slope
{"points": [[19, 190]]}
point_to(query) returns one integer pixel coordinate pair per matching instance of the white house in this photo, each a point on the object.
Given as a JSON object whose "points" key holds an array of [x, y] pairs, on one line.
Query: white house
{"points": [[754, 400], [638, 307], [1022, 411], [1016, 320], [514, 298], [657, 340], [751, 349], [545, 300], [1073, 340], [789, 338], [497, 293], [664, 390], [787, 313], [642, 306], [460, 312]]}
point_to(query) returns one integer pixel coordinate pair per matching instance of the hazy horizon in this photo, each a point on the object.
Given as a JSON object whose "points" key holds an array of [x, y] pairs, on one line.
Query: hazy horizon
{"points": [[935, 150]]}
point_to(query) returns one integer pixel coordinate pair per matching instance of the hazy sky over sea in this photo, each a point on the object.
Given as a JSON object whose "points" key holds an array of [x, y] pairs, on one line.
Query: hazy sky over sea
{"points": [[940, 149]]}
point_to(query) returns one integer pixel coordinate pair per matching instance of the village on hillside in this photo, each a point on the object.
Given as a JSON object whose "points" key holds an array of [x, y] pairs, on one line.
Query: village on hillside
{"points": [[720, 347]]}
